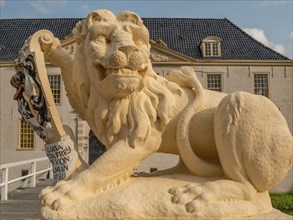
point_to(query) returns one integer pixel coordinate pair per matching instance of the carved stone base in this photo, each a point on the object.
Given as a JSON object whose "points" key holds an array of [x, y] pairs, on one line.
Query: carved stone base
{"points": [[164, 197]]}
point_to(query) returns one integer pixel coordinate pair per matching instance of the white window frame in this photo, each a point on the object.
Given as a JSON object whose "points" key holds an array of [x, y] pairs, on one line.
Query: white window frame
{"points": [[258, 88], [208, 44]]}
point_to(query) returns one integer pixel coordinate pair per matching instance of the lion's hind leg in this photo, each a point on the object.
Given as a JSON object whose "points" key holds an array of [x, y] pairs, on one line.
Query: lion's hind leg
{"points": [[254, 145], [237, 189], [253, 140]]}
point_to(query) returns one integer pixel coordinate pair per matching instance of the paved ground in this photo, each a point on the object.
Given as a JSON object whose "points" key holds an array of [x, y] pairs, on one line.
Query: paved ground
{"points": [[23, 204]]}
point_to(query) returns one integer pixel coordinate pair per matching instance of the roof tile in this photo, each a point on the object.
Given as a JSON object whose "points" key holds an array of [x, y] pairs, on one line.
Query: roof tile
{"points": [[180, 34]]}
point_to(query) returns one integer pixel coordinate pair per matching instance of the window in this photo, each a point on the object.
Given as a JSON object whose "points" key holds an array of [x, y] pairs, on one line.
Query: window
{"points": [[214, 82], [55, 87], [215, 49], [211, 47], [26, 136], [208, 49], [261, 85]]}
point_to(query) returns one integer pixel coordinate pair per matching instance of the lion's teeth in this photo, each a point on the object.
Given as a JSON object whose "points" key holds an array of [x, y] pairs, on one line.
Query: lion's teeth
{"points": [[121, 71]]}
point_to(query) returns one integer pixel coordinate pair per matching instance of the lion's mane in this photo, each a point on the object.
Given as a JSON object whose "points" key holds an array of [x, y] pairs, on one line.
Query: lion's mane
{"points": [[129, 118], [136, 114]]}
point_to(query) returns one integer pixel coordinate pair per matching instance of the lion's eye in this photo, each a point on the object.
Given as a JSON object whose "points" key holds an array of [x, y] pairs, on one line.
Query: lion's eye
{"points": [[101, 40], [139, 42]]}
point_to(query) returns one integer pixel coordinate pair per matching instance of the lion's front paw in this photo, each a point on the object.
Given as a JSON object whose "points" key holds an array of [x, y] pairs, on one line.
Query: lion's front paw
{"points": [[64, 194]]}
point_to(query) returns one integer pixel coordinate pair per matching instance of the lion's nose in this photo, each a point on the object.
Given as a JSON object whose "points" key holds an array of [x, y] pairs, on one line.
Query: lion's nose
{"points": [[118, 59], [124, 55], [128, 49]]}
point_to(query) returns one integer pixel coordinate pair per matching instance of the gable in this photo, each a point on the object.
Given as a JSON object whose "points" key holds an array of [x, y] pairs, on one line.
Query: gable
{"points": [[163, 54]]}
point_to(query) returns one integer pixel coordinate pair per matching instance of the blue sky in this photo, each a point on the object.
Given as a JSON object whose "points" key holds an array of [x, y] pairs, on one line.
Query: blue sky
{"points": [[270, 22]]}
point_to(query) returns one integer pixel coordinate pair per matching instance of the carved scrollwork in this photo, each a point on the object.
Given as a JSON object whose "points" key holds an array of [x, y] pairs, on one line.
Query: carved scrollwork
{"points": [[70, 49], [158, 57]]}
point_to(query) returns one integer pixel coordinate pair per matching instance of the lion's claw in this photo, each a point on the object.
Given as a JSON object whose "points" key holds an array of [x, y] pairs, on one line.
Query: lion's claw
{"points": [[60, 204], [47, 199], [176, 199], [189, 207], [56, 205]]}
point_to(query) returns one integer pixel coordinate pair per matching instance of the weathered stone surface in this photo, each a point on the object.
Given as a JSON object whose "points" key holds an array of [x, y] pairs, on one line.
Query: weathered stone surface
{"points": [[152, 198], [232, 147]]}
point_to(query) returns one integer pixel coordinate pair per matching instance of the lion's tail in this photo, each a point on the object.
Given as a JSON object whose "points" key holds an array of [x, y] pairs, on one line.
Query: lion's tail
{"points": [[194, 164]]}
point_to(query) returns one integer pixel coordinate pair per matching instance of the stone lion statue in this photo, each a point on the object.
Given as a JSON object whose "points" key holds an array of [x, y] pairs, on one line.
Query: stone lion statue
{"points": [[240, 139]]}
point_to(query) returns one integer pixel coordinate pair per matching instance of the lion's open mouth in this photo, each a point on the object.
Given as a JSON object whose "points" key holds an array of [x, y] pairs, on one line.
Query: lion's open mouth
{"points": [[121, 83]]}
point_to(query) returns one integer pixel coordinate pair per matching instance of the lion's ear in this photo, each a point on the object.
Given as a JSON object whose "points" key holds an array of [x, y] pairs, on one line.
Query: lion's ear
{"points": [[93, 17], [131, 17], [82, 27], [101, 15]]}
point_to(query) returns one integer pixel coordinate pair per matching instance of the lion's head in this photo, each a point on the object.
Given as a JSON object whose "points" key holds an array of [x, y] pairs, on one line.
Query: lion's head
{"points": [[113, 75]]}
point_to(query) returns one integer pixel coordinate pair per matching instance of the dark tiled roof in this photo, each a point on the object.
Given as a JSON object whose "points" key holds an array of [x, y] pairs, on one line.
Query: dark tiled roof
{"points": [[180, 34], [14, 32], [185, 35]]}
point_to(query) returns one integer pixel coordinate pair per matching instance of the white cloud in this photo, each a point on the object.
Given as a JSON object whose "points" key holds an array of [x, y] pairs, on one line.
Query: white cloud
{"points": [[274, 3], [54, 2], [260, 36], [45, 7], [291, 37], [39, 6], [2, 3]]}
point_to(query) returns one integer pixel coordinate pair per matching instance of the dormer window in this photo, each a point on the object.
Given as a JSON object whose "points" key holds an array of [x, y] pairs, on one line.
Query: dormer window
{"points": [[211, 47]]}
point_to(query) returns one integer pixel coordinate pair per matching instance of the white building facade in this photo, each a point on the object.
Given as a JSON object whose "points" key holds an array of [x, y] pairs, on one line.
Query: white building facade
{"points": [[270, 76]]}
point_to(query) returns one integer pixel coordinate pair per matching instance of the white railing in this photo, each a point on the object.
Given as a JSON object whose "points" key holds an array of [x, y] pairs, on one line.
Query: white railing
{"points": [[30, 176]]}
